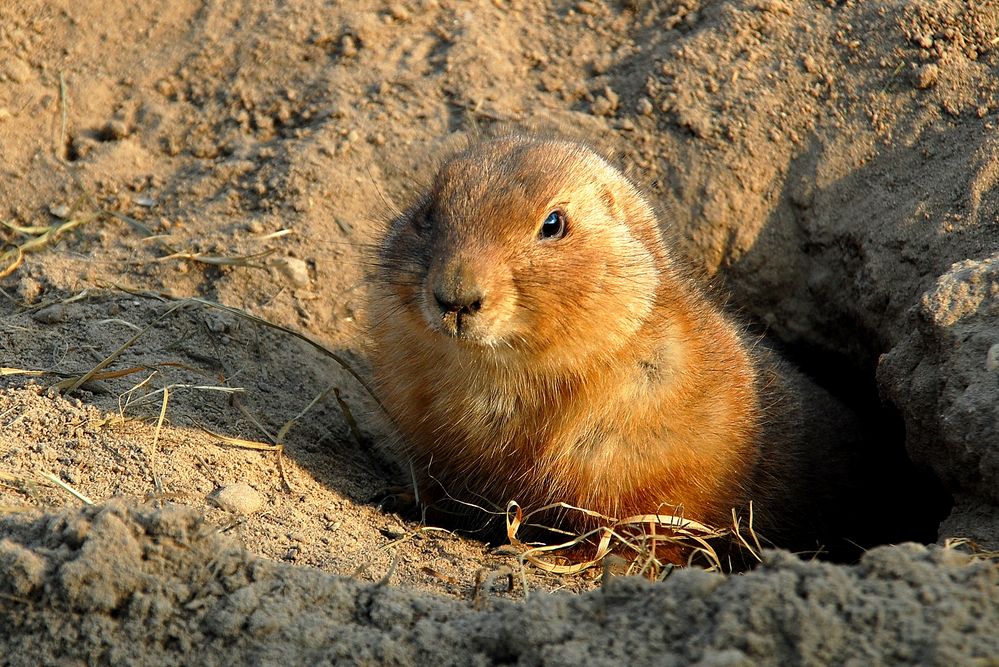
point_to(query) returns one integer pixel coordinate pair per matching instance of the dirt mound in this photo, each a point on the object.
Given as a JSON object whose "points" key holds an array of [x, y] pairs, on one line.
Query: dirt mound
{"points": [[176, 588]]}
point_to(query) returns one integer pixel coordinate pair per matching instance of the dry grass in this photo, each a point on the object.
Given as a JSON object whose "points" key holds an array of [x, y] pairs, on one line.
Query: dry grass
{"points": [[67, 488], [73, 381], [278, 439], [974, 550], [30, 486], [4, 370], [647, 544], [71, 385], [246, 261], [36, 238], [242, 314], [26, 485]]}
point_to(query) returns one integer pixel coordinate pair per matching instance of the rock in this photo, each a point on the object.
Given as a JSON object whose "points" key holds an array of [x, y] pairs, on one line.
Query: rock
{"points": [[606, 104], [992, 358], [60, 211], [53, 314], [399, 13], [942, 375], [348, 46], [116, 129], [240, 498], [926, 76], [17, 70], [293, 269]]}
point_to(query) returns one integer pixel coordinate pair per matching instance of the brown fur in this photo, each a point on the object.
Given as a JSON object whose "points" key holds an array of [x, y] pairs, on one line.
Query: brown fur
{"points": [[594, 373]]}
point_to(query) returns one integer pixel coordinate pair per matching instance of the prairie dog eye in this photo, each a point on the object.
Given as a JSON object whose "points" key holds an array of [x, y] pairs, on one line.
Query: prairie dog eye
{"points": [[421, 221], [553, 227]]}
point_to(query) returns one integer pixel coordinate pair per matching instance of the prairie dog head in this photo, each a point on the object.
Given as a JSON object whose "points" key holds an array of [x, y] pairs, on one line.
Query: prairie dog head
{"points": [[527, 248]]}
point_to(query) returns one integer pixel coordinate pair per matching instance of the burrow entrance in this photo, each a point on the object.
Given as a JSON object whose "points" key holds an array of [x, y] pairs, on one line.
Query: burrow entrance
{"points": [[905, 502]]}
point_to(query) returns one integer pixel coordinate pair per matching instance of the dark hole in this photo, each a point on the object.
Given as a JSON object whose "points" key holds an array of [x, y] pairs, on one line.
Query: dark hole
{"points": [[105, 134], [71, 151], [895, 499]]}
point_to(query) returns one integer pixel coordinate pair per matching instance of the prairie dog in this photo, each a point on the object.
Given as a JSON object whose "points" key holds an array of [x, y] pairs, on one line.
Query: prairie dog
{"points": [[537, 340]]}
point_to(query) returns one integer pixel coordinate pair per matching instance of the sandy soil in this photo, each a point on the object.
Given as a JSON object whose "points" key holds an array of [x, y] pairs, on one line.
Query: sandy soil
{"points": [[834, 164]]}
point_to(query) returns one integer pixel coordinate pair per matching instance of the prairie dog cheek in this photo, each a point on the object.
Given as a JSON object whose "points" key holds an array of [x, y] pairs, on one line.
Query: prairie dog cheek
{"points": [[631, 278]]}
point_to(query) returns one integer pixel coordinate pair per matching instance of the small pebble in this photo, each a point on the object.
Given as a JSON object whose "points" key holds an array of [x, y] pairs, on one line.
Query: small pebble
{"points": [[602, 106], [18, 70], [348, 47], [644, 106], [116, 129], [60, 211], [606, 104], [992, 358], [293, 269], [926, 76], [216, 322], [165, 88], [399, 13], [53, 314], [602, 63], [612, 96], [240, 498]]}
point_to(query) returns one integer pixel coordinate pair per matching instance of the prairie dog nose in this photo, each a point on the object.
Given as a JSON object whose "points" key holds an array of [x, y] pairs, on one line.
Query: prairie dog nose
{"points": [[458, 287], [458, 297]]}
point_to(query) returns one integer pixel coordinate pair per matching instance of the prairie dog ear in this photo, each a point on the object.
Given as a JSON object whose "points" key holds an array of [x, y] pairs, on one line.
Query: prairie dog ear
{"points": [[608, 198]]}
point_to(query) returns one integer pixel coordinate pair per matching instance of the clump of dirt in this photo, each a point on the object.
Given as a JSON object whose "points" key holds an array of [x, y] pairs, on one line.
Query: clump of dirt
{"points": [[182, 589], [833, 164]]}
